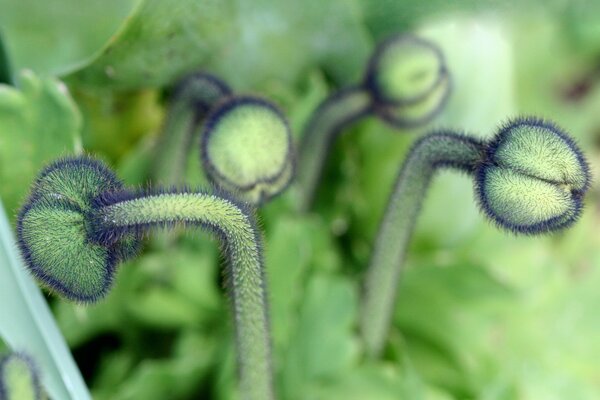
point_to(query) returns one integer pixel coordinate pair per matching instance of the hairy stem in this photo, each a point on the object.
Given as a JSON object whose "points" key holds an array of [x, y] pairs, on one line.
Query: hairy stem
{"points": [[426, 156], [332, 116], [191, 103], [246, 278]]}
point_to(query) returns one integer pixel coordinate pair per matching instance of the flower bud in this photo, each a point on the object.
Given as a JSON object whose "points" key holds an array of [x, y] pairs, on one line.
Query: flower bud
{"points": [[247, 149], [404, 70], [19, 378], [54, 235], [533, 179]]}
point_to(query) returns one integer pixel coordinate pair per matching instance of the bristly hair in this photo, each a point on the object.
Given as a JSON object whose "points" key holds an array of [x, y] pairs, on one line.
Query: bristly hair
{"points": [[114, 255], [36, 198], [467, 167], [75, 162], [553, 224], [370, 77], [510, 124], [31, 366], [114, 234], [106, 236]]}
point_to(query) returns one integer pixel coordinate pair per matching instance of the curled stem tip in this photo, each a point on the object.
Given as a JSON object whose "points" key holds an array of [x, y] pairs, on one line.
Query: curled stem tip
{"points": [[19, 378], [246, 149], [80, 221], [530, 178], [406, 84], [192, 99]]}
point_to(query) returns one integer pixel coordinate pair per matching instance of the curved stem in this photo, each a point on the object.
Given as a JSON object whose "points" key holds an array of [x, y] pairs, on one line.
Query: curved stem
{"points": [[236, 228], [330, 118], [426, 156], [5, 70], [191, 103]]}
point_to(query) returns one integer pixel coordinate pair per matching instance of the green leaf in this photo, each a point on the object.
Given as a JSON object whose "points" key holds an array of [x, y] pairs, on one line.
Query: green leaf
{"points": [[382, 382], [445, 316], [324, 346], [38, 122], [179, 290], [167, 290], [26, 323], [59, 36], [160, 41], [246, 43], [287, 274]]}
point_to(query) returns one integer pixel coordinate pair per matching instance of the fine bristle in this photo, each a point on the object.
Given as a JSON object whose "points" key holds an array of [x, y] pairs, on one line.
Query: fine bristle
{"points": [[533, 179], [53, 235]]}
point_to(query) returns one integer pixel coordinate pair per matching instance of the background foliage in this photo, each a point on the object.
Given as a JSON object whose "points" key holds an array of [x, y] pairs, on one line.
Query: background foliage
{"points": [[481, 314]]}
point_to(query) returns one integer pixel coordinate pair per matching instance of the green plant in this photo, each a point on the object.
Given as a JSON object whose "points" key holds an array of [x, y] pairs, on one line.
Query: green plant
{"points": [[19, 378], [530, 178], [406, 84], [80, 222]]}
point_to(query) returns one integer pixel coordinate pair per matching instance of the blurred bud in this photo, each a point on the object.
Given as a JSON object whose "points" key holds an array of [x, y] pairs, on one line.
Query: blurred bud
{"points": [[247, 149]]}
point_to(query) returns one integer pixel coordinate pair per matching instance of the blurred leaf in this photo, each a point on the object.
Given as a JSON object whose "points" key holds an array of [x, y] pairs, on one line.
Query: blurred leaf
{"points": [[168, 289], [324, 345], [179, 289], [382, 382], [26, 323], [384, 17], [246, 43], [178, 377], [114, 122], [280, 39], [287, 275], [53, 38], [443, 314], [161, 41], [38, 123]]}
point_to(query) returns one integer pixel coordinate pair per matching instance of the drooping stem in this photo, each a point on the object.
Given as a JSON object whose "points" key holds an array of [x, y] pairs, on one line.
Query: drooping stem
{"points": [[5, 70], [191, 101], [337, 112], [242, 246], [426, 156]]}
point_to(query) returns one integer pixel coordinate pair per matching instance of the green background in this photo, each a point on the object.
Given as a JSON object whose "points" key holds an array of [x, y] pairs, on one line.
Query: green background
{"points": [[481, 314]]}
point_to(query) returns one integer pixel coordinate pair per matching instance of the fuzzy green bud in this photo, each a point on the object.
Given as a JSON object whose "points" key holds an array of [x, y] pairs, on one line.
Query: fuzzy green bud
{"points": [[246, 149], [54, 233], [533, 178], [404, 69]]}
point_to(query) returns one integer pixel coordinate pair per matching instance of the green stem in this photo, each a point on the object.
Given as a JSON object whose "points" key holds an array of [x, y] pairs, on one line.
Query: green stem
{"points": [[5, 70], [426, 156], [192, 101], [246, 278], [332, 116]]}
